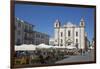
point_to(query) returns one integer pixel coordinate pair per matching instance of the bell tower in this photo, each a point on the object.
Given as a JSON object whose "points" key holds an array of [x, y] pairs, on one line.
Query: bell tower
{"points": [[57, 24], [82, 34], [82, 22], [56, 32]]}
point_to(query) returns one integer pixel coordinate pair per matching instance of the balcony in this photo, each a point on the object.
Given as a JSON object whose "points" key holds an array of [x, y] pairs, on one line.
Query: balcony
{"points": [[28, 31], [28, 38]]}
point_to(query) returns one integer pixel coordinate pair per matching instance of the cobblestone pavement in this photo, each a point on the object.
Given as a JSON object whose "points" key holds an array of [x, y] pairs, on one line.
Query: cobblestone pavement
{"points": [[88, 56]]}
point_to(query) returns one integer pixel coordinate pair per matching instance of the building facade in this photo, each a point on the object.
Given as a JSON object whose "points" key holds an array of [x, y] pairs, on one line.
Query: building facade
{"points": [[93, 44], [69, 34], [51, 41], [25, 34], [40, 38], [87, 43]]}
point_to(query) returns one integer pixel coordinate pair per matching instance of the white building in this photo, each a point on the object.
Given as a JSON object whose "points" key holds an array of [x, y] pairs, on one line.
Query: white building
{"points": [[51, 41], [70, 34]]}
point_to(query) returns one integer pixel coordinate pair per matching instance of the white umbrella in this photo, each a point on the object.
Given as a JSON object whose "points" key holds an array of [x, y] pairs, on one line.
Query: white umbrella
{"points": [[56, 46], [70, 47], [25, 47], [44, 46], [63, 47]]}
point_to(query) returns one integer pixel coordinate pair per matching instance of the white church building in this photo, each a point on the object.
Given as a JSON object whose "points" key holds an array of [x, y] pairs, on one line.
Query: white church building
{"points": [[70, 34]]}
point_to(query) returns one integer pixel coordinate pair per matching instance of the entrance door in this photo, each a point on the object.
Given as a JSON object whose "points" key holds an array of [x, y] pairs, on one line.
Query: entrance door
{"points": [[69, 42]]}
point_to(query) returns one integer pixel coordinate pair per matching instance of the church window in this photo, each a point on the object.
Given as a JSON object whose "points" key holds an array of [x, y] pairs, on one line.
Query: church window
{"points": [[61, 41], [61, 34], [68, 33], [76, 33], [76, 40]]}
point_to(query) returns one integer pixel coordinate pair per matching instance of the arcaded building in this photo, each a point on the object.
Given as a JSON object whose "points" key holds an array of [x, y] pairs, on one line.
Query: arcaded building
{"points": [[25, 34]]}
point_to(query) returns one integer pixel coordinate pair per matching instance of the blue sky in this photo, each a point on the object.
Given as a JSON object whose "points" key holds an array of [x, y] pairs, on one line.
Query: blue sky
{"points": [[43, 17]]}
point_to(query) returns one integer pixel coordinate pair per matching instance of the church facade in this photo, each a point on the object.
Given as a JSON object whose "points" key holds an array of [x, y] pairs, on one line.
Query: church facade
{"points": [[70, 34]]}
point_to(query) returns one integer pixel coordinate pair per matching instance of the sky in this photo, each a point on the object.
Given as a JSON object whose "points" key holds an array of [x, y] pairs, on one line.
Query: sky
{"points": [[43, 17]]}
